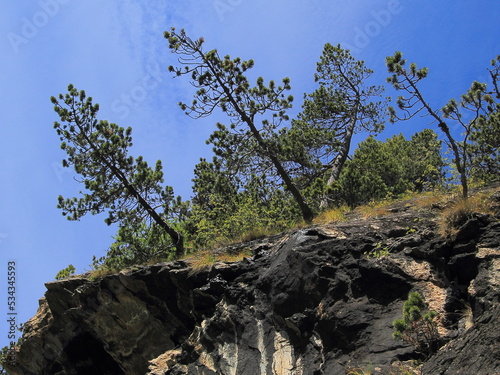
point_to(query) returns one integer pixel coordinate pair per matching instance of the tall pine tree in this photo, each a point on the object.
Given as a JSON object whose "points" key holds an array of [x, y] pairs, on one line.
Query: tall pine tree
{"points": [[127, 188], [255, 112], [470, 113], [341, 106]]}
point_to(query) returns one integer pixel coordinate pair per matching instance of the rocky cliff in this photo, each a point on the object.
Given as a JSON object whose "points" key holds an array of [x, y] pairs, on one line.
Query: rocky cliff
{"points": [[319, 300]]}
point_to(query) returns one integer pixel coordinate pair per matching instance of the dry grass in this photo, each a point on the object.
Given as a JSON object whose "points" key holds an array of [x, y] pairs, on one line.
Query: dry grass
{"points": [[255, 234], [399, 368], [430, 199], [198, 261], [366, 370], [251, 235], [461, 210], [464, 317], [205, 259], [201, 260], [101, 272], [374, 209], [405, 368], [334, 215], [230, 258], [467, 316]]}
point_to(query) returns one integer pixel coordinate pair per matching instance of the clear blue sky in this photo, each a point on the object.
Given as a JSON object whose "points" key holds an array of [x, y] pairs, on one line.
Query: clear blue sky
{"points": [[116, 52]]}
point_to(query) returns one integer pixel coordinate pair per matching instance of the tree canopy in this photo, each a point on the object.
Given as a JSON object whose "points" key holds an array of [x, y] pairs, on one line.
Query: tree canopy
{"points": [[484, 149], [121, 185], [379, 170], [475, 108], [254, 112], [341, 106], [270, 171]]}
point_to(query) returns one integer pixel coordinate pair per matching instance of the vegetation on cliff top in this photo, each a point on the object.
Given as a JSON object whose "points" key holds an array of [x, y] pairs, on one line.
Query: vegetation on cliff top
{"points": [[270, 172]]}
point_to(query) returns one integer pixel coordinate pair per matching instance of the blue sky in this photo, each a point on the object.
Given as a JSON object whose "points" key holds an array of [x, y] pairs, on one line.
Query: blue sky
{"points": [[116, 52]]}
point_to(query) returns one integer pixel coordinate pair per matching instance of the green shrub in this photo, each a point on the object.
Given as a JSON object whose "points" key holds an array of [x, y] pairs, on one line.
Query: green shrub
{"points": [[145, 243], [379, 251], [416, 328], [66, 272]]}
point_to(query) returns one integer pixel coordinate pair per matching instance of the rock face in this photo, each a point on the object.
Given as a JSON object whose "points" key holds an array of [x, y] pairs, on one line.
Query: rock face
{"points": [[310, 301]]}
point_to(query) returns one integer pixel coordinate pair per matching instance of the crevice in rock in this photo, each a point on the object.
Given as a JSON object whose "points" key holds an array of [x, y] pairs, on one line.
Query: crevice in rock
{"points": [[88, 356]]}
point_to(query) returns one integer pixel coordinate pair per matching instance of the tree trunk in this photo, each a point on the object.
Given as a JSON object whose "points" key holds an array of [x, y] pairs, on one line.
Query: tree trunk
{"points": [[176, 237], [339, 161], [459, 162], [307, 213]]}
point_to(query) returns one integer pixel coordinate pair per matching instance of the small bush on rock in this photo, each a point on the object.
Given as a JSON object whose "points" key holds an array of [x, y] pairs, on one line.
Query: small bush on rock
{"points": [[416, 328], [66, 272]]}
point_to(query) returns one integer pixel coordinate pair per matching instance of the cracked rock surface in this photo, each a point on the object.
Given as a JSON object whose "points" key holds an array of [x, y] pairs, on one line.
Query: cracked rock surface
{"points": [[310, 301]]}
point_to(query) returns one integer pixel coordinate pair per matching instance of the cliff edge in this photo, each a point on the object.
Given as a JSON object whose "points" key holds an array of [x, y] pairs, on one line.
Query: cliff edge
{"points": [[318, 300]]}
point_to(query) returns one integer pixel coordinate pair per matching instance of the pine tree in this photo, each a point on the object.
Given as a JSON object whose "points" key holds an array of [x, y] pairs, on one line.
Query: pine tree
{"points": [[473, 105], [417, 328], [484, 150], [379, 169], [127, 188], [341, 106], [255, 112], [225, 207]]}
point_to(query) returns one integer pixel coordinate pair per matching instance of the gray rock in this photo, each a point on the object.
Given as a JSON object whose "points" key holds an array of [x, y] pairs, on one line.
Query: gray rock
{"points": [[311, 301]]}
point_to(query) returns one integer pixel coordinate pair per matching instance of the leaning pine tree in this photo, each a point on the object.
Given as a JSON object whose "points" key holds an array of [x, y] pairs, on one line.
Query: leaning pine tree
{"points": [[255, 112], [476, 105], [340, 107], [127, 188]]}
